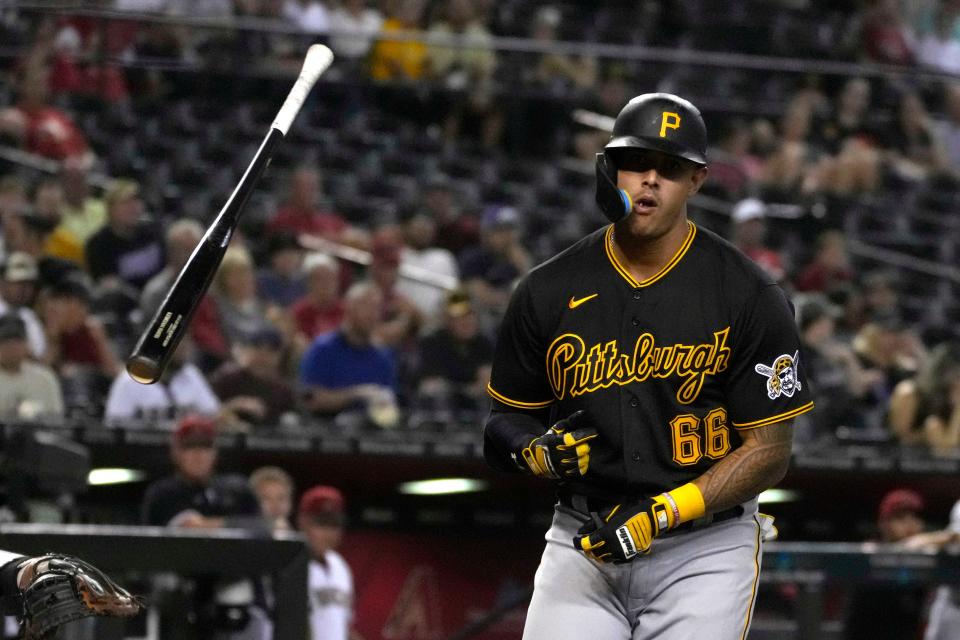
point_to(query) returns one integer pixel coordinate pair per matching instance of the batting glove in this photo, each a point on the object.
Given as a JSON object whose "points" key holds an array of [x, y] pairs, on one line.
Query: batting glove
{"points": [[629, 529], [563, 451]]}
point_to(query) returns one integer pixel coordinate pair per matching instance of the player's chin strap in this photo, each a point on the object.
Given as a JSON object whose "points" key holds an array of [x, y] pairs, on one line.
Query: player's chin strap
{"points": [[614, 202]]}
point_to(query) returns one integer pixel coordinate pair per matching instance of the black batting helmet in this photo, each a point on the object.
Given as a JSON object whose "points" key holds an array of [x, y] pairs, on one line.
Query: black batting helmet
{"points": [[656, 121]]}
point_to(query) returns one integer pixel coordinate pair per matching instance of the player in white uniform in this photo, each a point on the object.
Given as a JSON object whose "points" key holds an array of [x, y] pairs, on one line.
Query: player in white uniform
{"points": [[320, 518], [944, 620]]}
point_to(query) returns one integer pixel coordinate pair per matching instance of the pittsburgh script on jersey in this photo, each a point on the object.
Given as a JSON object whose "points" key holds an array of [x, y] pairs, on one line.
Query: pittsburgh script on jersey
{"points": [[573, 368]]}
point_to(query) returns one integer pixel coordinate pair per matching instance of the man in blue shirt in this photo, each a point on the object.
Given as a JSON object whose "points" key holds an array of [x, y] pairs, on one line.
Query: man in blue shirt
{"points": [[343, 369]]}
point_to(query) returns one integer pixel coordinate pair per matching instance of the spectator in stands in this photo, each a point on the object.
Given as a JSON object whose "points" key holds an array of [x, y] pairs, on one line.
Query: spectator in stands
{"points": [[28, 390], [77, 343], [308, 15], [456, 230], [732, 164], [878, 610], [352, 27], [320, 516], [282, 283], [840, 382], [748, 232], [886, 345], [468, 72], [301, 212], [196, 497], [853, 310], [420, 251], [343, 369], [938, 33], [848, 134], [830, 265], [948, 129], [609, 96], [400, 59], [559, 71], [274, 490], [40, 128], [455, 360], [27, 233], [13, 202], [925, 409], [127, 250], [321, 309], [18, 290], [48, 203], [83, 214], [914, 152], [239, 309], [253, 387], [885, 36], [787, 171], [489, 270], [181, 390], [849, 117], [400, 318], [880, 294]]}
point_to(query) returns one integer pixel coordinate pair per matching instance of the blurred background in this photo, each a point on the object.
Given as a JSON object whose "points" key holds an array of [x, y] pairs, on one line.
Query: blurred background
{"points": [[448, 150]]}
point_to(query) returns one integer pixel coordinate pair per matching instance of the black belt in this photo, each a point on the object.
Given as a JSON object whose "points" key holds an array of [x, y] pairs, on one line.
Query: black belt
{"points": [[588, 505]]}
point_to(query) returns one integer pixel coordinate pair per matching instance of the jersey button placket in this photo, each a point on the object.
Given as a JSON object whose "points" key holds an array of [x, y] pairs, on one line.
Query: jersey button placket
{"points": [[635, 322], [636, 456], [636, 294]]}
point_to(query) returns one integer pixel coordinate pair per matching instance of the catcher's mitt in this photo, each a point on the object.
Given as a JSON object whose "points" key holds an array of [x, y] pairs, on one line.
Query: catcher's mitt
{"points": [[62, 588]]}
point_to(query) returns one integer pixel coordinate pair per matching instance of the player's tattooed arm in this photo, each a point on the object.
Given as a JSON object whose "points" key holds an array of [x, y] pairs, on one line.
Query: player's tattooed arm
{"points": [[758, 464]]}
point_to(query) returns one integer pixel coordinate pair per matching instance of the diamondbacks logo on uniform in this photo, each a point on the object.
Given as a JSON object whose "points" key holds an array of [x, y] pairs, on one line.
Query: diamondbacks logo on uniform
{"points": [[781, 376]]}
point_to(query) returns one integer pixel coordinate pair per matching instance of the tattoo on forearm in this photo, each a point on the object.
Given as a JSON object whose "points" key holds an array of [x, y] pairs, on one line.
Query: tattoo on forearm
{"points": [[758, 464]]}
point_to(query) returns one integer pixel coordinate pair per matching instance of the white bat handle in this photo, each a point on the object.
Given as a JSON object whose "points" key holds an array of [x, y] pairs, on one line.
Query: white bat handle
{"points": [[318, 59]]}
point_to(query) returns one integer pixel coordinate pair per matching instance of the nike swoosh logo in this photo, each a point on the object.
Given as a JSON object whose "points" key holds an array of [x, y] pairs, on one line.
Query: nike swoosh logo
{"points": [[574, 302]]}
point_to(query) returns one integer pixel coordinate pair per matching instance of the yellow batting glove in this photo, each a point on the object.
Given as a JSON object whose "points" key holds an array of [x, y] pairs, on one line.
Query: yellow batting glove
{"points": [[629, 530], [562, 452]]}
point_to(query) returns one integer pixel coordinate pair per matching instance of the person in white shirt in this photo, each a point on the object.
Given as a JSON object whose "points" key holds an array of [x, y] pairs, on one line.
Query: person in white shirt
{"points": [[420, 250], [310, 15], [181, 390], [320, 518], [352, 27], [18, 286], [28, 390]]}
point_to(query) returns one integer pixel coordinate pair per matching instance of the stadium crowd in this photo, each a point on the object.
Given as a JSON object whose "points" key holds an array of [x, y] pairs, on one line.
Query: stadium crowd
{"points": [[478, 189]]}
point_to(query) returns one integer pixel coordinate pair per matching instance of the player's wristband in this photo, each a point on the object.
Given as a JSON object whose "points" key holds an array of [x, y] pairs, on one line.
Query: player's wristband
{"points": [[685, 503]]}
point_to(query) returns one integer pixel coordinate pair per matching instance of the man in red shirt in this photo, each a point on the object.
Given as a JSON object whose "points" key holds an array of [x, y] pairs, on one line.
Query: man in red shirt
{"points": [[300, 213], [40, 128]]}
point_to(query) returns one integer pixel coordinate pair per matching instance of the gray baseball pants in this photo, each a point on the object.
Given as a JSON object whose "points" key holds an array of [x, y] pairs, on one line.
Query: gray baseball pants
{"points": [[694, 584]]}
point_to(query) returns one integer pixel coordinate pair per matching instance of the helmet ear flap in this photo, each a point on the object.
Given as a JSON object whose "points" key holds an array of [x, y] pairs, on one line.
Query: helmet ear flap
{"points": [[614, 202]]}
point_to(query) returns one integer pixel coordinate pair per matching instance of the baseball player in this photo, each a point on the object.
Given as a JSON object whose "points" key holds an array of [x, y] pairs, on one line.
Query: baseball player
{"points": [[46, 592], [320, 517], [666, 365]]}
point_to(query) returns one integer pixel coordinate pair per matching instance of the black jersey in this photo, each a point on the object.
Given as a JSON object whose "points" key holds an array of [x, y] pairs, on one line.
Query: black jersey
{"points": [[668, 369]]}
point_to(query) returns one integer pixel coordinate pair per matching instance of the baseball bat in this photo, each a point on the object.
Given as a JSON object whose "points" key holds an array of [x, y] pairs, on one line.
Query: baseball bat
{"points": [[168, 325]]}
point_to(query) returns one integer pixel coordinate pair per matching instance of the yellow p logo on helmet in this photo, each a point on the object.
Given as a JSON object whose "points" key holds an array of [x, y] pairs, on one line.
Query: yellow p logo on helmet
{"points": [[668, 120]]}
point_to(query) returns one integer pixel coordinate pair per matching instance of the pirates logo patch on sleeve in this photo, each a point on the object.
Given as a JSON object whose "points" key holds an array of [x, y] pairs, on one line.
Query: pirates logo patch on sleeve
{"points": [[781, 376]]}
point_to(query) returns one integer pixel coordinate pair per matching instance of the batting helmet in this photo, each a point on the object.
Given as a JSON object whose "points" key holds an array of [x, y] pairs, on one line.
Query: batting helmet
{"points": [[656, 121]]}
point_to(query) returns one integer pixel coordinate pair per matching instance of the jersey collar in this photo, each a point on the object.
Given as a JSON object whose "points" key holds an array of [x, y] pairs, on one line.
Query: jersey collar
{"points": [[623, 271]]}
